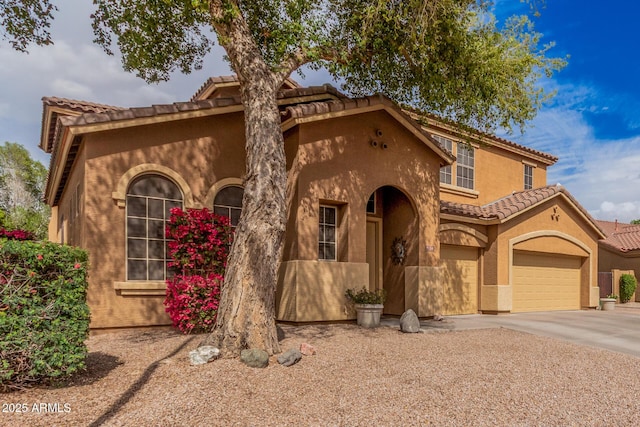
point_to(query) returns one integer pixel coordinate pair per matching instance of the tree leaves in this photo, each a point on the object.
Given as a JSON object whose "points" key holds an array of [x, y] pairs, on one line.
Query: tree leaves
{"points": [[26, 21]]}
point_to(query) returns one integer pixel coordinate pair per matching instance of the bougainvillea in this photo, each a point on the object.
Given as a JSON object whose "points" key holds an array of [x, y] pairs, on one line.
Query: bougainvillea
{"points": [[16, 234], [198, 249]]}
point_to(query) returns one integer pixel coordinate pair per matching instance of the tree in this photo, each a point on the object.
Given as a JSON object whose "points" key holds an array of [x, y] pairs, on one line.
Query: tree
{"points": [[635, 221], [447, 57], [22, 181]]}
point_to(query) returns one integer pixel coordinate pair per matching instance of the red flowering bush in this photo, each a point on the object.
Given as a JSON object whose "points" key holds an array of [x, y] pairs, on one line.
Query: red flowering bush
{"points": [[199, 249], [16, 234]]}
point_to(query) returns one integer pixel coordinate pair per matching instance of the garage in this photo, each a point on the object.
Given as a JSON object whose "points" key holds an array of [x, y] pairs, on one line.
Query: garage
{"points": [[459, 273], [543, 282]]}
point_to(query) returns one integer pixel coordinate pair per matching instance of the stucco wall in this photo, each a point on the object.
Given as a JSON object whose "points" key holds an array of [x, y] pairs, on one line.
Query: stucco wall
{"points": [[554, 227], [497, 173], [185, 148]]}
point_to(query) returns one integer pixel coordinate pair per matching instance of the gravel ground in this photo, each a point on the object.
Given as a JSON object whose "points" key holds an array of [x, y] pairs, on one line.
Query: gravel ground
{"points": [[358, 377]]}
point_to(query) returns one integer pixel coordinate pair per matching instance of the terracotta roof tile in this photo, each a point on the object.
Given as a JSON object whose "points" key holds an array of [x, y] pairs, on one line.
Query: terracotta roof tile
{"points": [[621, 237], [79, 106], [211, 81], [510, 205]]}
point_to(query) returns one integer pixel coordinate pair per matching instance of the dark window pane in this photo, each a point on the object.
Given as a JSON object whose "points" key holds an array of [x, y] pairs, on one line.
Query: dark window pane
{"points": [[136, 248], [321, 251], [321, 233], [155, 186], [235, 216], [156, 270], [329, 234], [330, 216], [229, 196], [156, 249], [137, 270], [136, 206], [218, 210], [136, 227], [156, 208], [156, 229], [371, 203], [329, 251]]}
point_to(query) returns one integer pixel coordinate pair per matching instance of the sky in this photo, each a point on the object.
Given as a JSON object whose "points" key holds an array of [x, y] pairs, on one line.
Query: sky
{"points": [[592, 124]]}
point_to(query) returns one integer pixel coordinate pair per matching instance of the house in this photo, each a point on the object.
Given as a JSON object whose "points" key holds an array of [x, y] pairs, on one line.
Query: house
{"points": [[619, 253], [377, 200]]}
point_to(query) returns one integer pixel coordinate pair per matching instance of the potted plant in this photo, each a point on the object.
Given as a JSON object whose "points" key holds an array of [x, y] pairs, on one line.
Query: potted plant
{"points": [[608, 303], [368, 305]]}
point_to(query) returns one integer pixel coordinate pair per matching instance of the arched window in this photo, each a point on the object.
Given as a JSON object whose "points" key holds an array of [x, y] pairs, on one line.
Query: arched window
{"points": [[149, 200], [228, 202]]}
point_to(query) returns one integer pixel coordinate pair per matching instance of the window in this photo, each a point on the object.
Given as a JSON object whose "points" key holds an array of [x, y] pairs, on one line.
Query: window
{"points": [[445, 171], [465, 166], [149, 201], [327, 233], [528, 177], [228, 202], [371, 204]]}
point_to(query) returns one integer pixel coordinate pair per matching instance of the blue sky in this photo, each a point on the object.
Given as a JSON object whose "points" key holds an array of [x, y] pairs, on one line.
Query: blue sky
{"points": [[592, 125]]}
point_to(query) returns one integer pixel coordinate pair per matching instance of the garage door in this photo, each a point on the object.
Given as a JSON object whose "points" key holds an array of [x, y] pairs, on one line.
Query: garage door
{"points": [[545, 283], [459, 267]]}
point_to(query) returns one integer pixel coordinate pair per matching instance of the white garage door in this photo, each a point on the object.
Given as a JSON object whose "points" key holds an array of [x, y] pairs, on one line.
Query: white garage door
{"points": [[459, 267], [545, 282]]}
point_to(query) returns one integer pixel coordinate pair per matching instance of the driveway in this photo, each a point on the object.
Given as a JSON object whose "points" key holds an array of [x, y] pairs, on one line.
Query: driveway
{"points": [[617, 330]]}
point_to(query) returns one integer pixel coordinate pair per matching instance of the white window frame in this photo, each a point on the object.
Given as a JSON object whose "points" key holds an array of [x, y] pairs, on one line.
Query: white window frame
{"points": [[528, 177], [322, 226], [446, 176], [465, 166]]}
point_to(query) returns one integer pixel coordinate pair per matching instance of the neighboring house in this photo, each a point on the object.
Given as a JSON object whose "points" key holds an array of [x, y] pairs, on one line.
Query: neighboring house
{"points": [[619, 252], [377, 200]]}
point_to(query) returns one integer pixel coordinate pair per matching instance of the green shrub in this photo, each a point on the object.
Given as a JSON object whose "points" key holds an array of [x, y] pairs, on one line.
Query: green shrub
{"points": [[365, 296], [628, 284], [44, 317]]}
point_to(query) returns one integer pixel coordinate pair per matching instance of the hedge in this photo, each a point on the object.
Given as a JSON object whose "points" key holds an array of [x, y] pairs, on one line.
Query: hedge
{"points": [[628, 286], [44, 317]]}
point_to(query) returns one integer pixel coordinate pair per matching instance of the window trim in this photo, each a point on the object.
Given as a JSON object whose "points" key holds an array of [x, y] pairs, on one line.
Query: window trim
{"points": [[126, 232], [465, 166], [335, 234], [528, 183], [213, 204]]}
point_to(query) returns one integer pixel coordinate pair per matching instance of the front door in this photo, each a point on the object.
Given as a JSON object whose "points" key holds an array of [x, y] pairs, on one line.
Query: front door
{"points": [[374, 252]]}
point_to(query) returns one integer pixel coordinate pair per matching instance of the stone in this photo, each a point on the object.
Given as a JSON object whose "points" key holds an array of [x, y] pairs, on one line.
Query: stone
{"points": [[204, 354], [438, 318], [307, 349], [409, 322], [254, 358], [290, 357]]}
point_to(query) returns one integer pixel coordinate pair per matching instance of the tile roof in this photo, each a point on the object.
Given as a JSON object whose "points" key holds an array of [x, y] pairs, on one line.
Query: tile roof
{"points": [[78, 106], [217, 80], [102, 115], [620, 236], [510, 205]]}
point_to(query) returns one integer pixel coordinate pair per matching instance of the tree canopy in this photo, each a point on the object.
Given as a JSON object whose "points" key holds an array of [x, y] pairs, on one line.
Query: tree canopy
{"points": [[448, 57], [22, 182]]}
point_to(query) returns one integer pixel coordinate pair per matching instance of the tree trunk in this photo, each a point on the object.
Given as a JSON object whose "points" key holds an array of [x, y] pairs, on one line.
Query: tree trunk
{"points": [[247, 307]]}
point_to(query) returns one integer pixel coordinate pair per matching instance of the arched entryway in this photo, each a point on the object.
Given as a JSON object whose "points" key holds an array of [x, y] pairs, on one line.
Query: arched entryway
{"points": [[392, 244]]}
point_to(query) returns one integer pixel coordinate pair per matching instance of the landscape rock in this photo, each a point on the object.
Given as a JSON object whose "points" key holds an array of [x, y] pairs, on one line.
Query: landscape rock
{"points": [[254, 358], [204, 354], [290, 357], [409, 322], [438, 318], [307, 349]]}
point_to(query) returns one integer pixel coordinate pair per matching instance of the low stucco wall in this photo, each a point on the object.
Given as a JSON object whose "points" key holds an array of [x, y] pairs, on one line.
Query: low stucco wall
{"points": [[311, 291]]}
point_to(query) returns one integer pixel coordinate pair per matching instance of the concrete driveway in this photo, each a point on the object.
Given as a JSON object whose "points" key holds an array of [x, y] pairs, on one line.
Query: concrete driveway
{"points": [[617, 330]]}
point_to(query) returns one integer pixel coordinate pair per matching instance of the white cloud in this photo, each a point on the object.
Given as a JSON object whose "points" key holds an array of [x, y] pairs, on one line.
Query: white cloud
{"points": [[603, 175]]}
